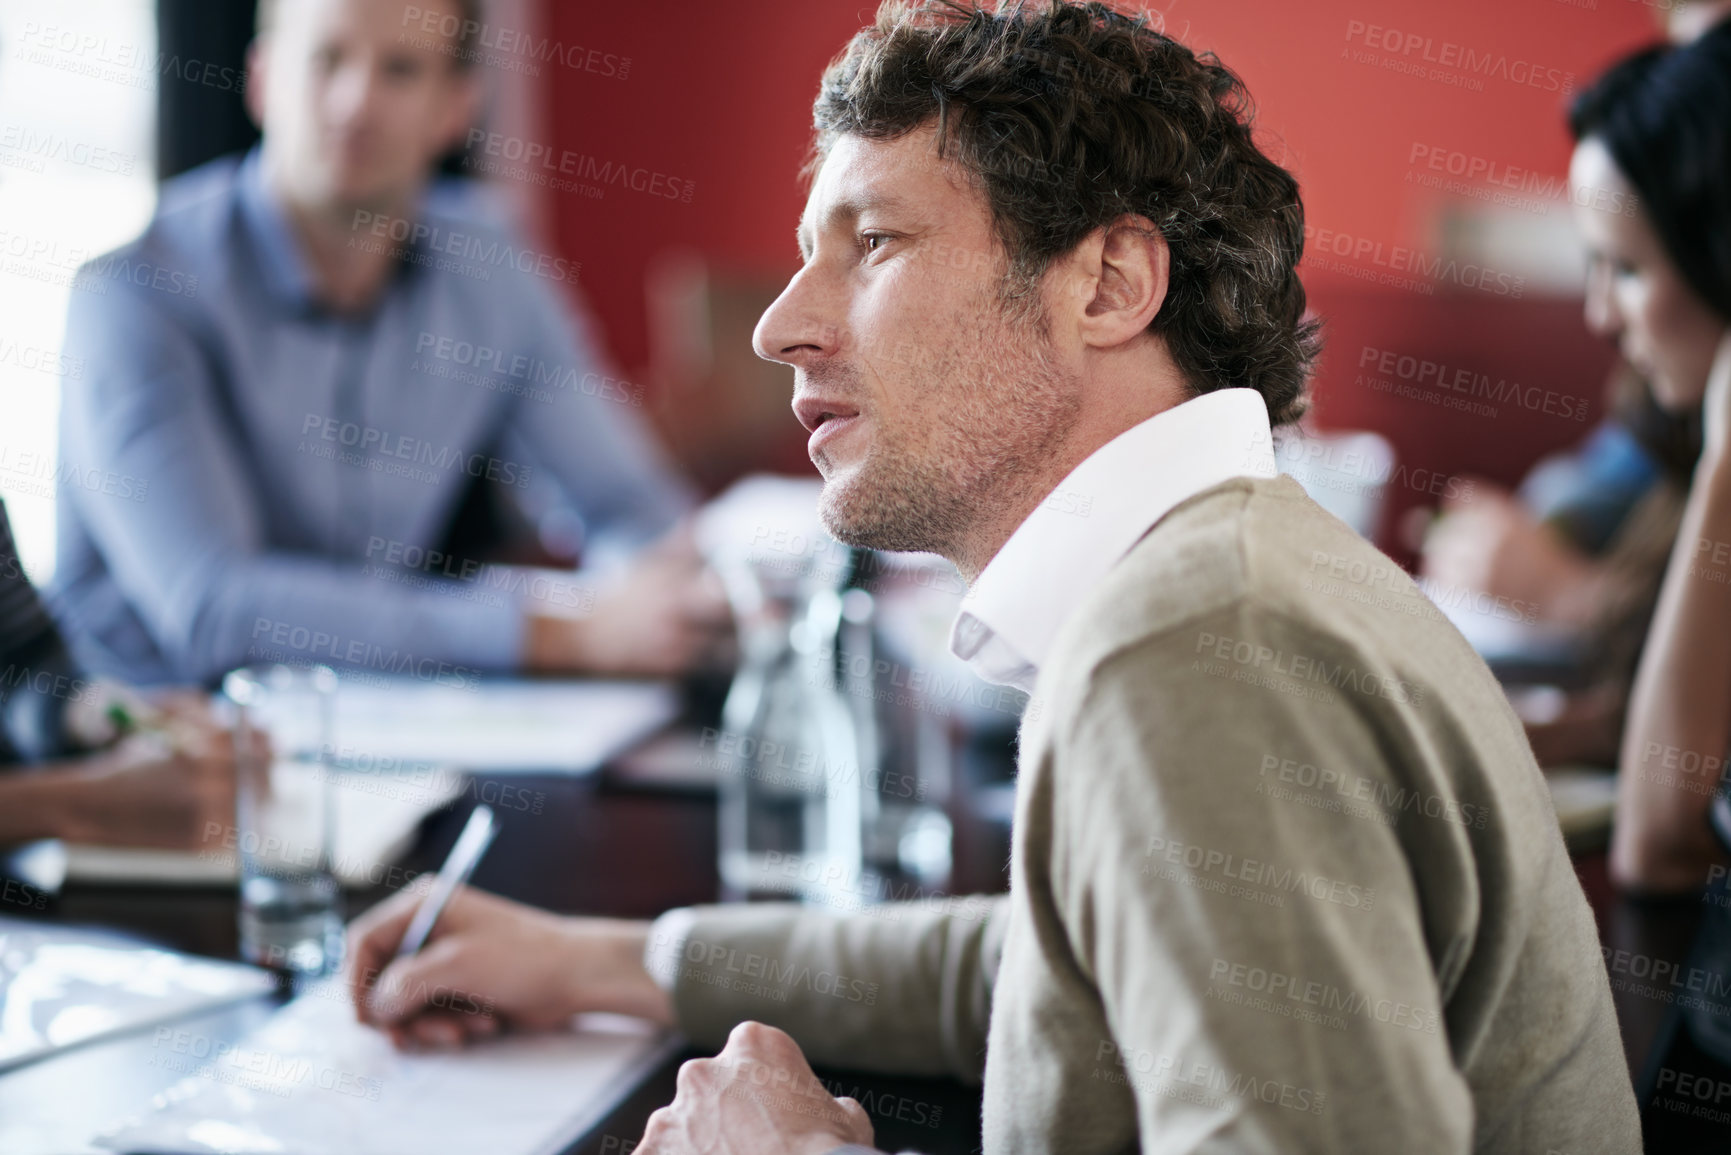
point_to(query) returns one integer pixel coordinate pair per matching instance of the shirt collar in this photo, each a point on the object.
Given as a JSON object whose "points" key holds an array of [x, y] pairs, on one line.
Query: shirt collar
{"points": [[281, 262], [287, 274], [1088, 523]]}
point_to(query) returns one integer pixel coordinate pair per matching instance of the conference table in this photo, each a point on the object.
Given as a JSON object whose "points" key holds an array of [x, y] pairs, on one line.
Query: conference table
{"points": [[599, 844], [608, 844]]}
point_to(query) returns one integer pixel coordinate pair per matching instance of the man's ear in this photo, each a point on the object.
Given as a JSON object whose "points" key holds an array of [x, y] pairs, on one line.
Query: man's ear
{"points": [[1123, 270], [257, 75]]}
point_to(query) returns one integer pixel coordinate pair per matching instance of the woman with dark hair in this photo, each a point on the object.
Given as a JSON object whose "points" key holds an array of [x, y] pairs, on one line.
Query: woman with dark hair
{"points": [[1651, 181]]}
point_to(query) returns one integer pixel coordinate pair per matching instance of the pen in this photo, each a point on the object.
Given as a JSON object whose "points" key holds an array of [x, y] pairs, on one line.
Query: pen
{"points": [[130, 720], [127, 714], [104, 712], [465, 856]]}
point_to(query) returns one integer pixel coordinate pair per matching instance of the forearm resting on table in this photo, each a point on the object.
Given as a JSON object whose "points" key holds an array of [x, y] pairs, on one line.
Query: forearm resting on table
{"points": [[41, 802], [551, 644], [902, 988], [628, 989], [1679, 720]]}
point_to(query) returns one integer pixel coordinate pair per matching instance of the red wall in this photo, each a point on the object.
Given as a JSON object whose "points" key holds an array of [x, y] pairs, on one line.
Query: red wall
{"points": [[717, 93], [720, 94], [1350, 127]]}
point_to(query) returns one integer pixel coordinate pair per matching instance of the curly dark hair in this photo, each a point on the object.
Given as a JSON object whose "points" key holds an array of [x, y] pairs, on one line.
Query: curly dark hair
{"points": [[1071, 115]]}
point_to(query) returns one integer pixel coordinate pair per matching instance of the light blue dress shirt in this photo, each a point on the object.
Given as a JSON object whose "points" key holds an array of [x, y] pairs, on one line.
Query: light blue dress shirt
{"points": [[280, 460]]}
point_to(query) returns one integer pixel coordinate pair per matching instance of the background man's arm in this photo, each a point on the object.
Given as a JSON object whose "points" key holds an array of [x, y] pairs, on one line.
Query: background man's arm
{"points": [[592, 433]]}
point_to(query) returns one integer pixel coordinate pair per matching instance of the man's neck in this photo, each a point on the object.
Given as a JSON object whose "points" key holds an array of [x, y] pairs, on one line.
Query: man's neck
{"points": [[1115, 411], [1016, 503], [349, 266], [349, 273]]}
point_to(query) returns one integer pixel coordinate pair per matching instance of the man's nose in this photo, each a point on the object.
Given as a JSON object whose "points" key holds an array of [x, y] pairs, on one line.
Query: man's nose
{"points": [[1600, 309], [800, 326], [352, 92]]}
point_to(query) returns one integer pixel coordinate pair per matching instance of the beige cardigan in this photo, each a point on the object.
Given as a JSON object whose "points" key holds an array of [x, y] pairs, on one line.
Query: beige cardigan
{"points": [[1285, 878]]}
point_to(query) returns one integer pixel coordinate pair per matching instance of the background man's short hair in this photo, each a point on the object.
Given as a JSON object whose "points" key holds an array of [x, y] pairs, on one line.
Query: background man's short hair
{"points": [[471, 14], [1071, 115]]}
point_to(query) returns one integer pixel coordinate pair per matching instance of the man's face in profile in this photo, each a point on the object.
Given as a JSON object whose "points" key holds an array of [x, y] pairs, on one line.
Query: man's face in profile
{"points": [[357, 98], [927, 399]]}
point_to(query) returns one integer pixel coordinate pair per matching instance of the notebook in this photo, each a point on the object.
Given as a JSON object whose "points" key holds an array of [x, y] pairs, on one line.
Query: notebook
{"points": [[313, 1081], [401, 741], [377, 819]]}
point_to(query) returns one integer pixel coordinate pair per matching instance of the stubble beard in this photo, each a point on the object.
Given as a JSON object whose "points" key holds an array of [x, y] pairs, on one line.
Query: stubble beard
{"points": [[997, 413]]}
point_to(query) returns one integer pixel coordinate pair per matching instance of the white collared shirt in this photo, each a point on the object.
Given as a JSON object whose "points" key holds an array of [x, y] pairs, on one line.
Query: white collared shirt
{"points": [[1091, 520]]}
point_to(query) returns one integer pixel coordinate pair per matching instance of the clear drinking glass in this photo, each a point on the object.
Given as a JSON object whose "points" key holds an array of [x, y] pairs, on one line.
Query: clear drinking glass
{"points": [[289, 901]]}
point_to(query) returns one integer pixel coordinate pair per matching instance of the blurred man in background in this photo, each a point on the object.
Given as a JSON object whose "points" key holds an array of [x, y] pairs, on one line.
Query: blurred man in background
{"points": [[314, 358]]}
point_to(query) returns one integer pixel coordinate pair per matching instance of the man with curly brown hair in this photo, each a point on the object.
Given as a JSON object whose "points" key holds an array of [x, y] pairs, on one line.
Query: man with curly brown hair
{"points": [[1285, 876]]}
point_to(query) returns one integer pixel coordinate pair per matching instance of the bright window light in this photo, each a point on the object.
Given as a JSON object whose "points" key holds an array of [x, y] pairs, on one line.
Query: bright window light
{"points": [[77, 139]]}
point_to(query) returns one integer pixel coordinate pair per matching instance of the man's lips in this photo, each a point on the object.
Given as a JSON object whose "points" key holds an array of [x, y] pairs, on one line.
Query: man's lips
{"points": [[829, 431], [826, 419], [815, 411]]}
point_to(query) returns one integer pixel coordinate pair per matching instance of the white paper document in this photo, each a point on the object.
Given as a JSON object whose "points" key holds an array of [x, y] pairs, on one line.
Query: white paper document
{"points": [[548, 727], [313, 1081], [62, 986]]}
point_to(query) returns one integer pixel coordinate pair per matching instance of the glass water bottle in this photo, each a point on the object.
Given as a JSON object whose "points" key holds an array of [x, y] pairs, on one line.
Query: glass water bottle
{"points": [[788, 751]]}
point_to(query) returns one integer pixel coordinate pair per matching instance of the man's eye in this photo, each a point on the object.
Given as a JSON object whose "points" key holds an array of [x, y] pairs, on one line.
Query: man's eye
{"points": [[872, 241]]}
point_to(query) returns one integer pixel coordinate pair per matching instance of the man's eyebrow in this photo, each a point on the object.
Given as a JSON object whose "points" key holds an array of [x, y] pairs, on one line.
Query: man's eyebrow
{"points": [[842, 213]]}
